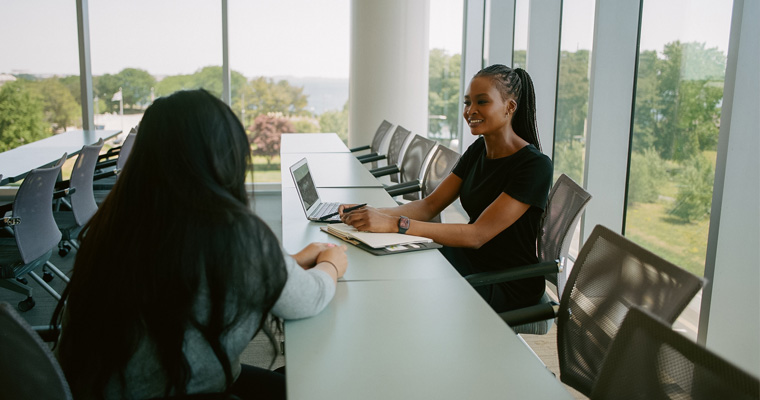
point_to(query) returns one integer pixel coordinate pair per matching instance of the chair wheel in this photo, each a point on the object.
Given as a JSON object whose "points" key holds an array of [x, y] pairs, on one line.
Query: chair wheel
{"points": [[27, 304], [47, 276], [63, 250], [23, 281]]}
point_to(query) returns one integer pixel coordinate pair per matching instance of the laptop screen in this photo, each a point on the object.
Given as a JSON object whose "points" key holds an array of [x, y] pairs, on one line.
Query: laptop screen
{"points": [[305, 185]]}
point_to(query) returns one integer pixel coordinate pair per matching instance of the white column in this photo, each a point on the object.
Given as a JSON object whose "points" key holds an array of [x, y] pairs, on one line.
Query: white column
{"points": [[472, 58], [499, 32], [542, 64], [613, 64], [85, 68], [389, 67], [730, 317]]}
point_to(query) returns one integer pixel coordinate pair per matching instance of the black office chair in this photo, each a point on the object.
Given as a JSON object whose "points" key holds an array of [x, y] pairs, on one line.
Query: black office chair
{"points": [[437, 168], [566, 203], [412, 164], [377, 140], [398, 140], [30, 370], [612, 274], [81, 204], [34, 234], [648, 360]]}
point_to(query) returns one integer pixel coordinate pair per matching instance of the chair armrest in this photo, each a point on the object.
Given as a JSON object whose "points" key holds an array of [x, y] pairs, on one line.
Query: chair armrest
{"points": [[9, 221], [64, 193], [47, 334], [386, 170], [106, 174], [539, 312], [521, 272], [360, 148], [105, 164], [403, 188], [365, 160], [363, 156], [62, 185]]}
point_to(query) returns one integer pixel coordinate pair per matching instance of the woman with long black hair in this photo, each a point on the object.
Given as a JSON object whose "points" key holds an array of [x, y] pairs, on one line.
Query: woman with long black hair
{"points": [[503, 183], [176, 274]]}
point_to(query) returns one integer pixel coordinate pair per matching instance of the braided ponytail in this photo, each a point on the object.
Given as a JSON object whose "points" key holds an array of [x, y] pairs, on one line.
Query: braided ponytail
{"points": [[516, 82]]}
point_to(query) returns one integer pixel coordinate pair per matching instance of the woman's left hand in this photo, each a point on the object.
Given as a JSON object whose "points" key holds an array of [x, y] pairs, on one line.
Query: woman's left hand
{"points": [[369, 219]]}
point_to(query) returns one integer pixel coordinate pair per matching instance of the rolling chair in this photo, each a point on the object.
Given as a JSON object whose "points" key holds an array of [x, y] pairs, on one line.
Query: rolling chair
{"points": [[34, 234], [611, 275], [566, 203], [438, 167], [648, 360], [377, 141], [81, 203], [103, 180]]}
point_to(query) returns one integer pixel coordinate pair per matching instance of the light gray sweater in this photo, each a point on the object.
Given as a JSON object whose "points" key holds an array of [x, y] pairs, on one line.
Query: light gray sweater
{"points": [[306, 293]]}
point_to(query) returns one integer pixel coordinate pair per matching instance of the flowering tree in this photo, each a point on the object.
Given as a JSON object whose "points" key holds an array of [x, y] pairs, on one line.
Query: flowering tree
{"points": [[265, 134]]}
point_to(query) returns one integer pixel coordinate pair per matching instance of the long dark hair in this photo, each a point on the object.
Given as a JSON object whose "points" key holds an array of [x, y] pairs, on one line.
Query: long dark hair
{"points": [[516, 82], [176, 224]]}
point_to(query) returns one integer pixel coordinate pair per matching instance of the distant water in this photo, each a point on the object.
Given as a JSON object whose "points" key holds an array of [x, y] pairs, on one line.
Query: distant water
{"points": [[325, 94]]}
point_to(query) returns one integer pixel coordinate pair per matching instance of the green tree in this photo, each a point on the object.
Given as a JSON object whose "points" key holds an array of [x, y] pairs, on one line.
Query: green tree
{"points": [[335, 121], [72, 83], [135, 84], [21, 116], [572, 97], [304, 125], [58, 104], [266, 132], [648, 175], [208, 78], [264, 95], [443, 92], [695, 190], [106, 86]]}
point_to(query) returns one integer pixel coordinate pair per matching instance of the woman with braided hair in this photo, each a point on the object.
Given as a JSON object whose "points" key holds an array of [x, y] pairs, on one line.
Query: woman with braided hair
{"points": [[503, 183]]}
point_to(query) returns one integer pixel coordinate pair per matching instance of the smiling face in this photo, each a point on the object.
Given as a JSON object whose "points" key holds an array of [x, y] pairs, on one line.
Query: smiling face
{"points": [[484, 109]]}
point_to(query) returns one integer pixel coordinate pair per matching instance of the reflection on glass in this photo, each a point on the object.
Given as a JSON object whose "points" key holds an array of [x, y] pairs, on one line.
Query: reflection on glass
{"points": [[573, 88], [446, 22], [679, 90], [520, 49]]}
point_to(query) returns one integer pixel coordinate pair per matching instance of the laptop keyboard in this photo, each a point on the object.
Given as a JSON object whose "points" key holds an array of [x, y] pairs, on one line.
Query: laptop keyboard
{"points": [[324, 209]]}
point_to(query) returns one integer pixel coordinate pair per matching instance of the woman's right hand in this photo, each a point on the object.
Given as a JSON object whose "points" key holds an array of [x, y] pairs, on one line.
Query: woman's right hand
{"points": [[335, 255]]}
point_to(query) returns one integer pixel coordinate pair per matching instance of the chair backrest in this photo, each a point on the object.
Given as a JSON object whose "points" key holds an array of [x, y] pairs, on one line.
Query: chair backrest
{"points": [[380, 134], [29, 369], [413, 162], [126, 148], [611, 275], [394, 148], [440, 166], [83, 199], [648, 360], [567, 200], [37, 232]]}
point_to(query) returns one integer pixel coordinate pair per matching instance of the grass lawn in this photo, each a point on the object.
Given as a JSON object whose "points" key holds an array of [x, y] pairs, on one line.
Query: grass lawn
{"points": [[683, 244], [264, 171]]}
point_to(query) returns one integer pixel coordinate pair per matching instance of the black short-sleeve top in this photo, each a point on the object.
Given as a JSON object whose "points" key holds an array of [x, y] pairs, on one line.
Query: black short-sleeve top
{"points": [[526, 176]]}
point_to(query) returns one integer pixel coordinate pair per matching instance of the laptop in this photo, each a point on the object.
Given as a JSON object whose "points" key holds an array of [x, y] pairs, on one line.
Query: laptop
{"points": [[307, 192]]}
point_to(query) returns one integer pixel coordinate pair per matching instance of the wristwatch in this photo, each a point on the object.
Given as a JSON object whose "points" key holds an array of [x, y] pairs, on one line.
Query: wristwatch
{"points": [[403, 224]]}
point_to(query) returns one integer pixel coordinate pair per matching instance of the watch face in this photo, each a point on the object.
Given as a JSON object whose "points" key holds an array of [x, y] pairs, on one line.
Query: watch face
{"points": [[403, 223]]}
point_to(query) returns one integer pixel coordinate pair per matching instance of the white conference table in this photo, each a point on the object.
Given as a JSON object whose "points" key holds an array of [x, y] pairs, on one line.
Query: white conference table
{"points": [[400, 326], [329, 170], [312, 143], [299, 232], [16, 163]]}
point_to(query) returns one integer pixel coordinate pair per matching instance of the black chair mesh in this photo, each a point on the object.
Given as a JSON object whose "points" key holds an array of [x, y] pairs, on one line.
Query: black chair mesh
{"points": [[612, 275], [440, 166], [414, 160], [380, 134], [567, 200], [394, 148], [650, 361]]}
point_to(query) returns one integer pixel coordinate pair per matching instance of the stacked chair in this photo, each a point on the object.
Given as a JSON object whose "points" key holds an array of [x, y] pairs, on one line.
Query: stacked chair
{"points": [[649, 360], [410, 168], [374, 149], [81, 203], [33, 234], [611, 276]]}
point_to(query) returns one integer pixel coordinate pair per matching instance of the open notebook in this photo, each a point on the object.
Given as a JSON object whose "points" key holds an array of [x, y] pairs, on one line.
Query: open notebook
{"points": [[380, 243]]}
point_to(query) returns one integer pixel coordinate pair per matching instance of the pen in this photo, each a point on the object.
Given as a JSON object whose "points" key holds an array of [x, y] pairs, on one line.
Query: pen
{"points": [[349, 209]]}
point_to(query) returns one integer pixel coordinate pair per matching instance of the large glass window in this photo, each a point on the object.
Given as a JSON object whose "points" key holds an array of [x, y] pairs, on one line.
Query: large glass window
{"points": [[292, 62], [446, 19], [39, 71], [520, 49], [679, 91], [573, 88]]}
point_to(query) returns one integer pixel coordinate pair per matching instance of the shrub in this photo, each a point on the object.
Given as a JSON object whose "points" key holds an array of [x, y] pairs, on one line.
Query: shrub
{"points": [[695, 190], [648, 174]]}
